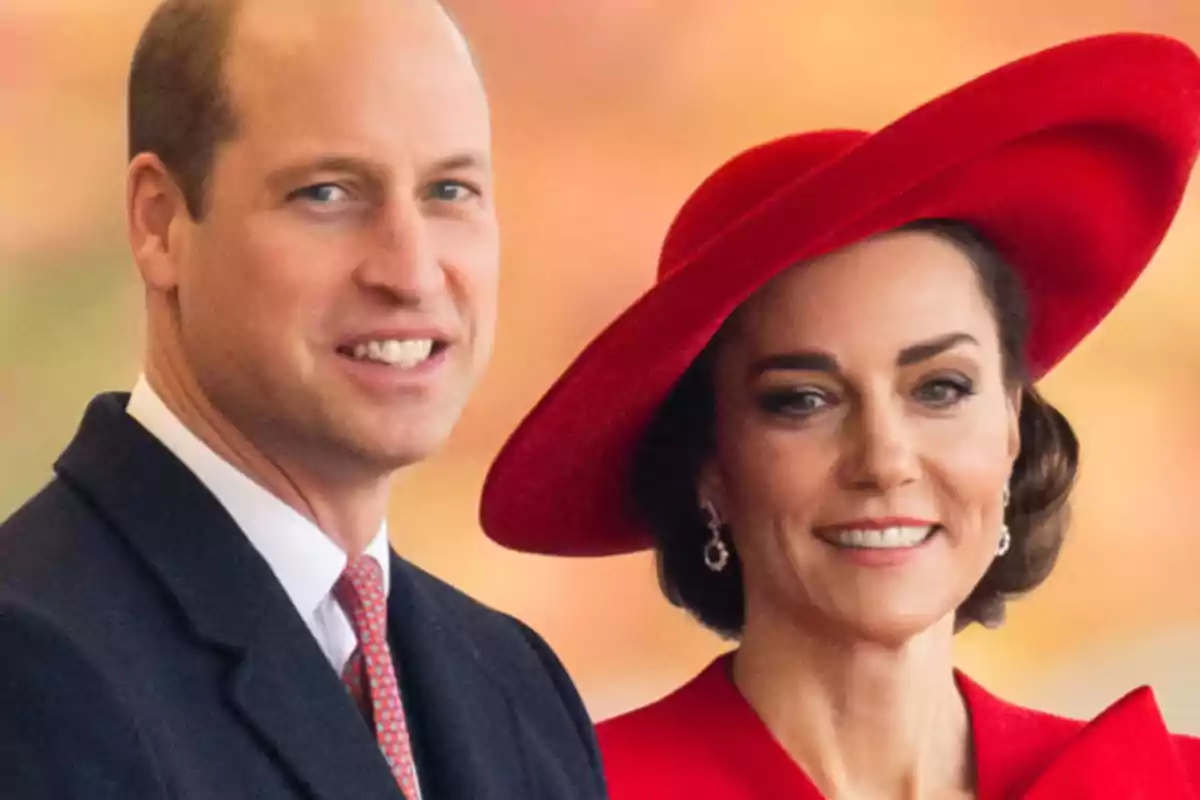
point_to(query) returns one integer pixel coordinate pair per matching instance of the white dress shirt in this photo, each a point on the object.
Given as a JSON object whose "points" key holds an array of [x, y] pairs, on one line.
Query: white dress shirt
{"points": [[306, 561]]}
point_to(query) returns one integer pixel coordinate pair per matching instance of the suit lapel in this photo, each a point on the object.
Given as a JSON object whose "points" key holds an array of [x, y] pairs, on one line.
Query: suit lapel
{"points": [[301, 711], [280, 683], [466, 731], [1125, 752]]}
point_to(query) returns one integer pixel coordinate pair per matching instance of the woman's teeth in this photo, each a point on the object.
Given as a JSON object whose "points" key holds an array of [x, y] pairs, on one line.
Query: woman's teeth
{"points": [[879, 538]]}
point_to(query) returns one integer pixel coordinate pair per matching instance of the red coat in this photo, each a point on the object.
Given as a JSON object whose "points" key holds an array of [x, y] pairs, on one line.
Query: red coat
{"points": [[705, 742]]}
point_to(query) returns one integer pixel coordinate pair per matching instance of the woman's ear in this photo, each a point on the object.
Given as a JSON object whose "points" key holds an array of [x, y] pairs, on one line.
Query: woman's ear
{"points": [[710, 488], [1015, 396]]}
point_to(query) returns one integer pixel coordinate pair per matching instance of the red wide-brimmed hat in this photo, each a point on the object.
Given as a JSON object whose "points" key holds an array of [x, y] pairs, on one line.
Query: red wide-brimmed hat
{"points": [[1072, 162]]}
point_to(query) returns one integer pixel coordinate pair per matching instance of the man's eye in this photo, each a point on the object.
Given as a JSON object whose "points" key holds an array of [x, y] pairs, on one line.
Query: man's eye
{"points": [[451, 191], [321, 193]]}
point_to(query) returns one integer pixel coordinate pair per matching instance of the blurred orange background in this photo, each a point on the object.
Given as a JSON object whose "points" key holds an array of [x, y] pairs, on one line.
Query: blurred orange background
{"points": [[607, 114]]}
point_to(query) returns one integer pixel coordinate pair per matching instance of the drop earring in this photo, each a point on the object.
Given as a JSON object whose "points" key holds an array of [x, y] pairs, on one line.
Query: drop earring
{"points": [[716, 553], [1005, 542]]}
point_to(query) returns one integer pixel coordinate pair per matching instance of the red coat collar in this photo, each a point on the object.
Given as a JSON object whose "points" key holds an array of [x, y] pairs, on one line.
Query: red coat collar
{"points": [[1124, 752]]}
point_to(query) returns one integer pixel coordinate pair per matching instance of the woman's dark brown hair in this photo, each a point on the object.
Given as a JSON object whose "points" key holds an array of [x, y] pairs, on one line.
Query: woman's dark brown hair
{"points": [[680, 439]]}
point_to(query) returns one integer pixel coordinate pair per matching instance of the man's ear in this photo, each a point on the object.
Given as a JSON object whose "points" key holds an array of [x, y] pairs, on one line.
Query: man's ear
{"points": [[154, 210]]}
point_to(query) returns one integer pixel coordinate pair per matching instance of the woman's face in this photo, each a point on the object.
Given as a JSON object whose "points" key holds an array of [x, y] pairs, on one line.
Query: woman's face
{"points": [[864, 437]]}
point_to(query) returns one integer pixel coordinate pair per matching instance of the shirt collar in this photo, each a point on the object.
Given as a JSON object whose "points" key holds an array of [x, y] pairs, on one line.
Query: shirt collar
{"points": [[305, 560]]}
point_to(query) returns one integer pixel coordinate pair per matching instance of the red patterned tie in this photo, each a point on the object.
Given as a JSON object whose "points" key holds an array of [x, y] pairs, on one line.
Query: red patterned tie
{"points": [[369, 673]]}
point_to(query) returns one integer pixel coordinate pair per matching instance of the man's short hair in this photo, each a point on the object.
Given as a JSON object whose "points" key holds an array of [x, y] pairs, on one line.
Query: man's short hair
{"points": [[179, 105]]}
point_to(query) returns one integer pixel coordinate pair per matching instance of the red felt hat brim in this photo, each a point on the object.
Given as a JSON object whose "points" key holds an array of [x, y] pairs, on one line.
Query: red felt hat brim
{"points": [[1072, 162]]}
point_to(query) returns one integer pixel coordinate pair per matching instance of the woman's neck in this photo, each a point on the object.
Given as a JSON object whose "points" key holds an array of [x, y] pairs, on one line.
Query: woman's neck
{"points": [[863, 720]]}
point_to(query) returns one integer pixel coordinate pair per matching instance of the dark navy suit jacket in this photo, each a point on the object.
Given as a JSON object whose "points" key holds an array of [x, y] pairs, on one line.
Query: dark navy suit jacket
{"points": [[148, 651]]}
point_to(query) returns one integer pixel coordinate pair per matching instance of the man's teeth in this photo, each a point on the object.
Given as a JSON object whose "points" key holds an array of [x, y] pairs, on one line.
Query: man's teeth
{"points": [[403, 353], [883, 539]]}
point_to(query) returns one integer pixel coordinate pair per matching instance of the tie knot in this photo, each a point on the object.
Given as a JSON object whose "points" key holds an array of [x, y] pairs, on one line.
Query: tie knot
{"points": [[360, 593]]}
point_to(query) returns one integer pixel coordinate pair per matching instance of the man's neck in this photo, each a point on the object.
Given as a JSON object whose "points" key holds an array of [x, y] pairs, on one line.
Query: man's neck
{"points": [[862, 720], [348, 512]]}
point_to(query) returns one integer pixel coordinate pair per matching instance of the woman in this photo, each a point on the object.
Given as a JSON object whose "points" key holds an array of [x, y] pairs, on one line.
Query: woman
{"points": [[824, 418]]}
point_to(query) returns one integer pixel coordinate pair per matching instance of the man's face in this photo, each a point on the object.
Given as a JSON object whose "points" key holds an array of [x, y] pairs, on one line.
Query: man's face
{"points": [[337, 300]]}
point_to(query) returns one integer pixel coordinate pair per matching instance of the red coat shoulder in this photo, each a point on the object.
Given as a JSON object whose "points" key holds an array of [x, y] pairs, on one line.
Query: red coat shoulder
{"points": [[1188, 748], [701, 741], [662, 751]]}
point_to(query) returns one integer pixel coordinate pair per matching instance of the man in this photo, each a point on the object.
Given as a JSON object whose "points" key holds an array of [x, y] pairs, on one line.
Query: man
{"points": [[203, 603]]}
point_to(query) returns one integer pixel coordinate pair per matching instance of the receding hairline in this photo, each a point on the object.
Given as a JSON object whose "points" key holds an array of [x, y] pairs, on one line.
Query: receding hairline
{"points": [[236, 9], [284, 27]]}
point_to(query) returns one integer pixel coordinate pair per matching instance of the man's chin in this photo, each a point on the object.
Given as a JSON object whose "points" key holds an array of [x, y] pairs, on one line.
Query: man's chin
{"points": [[394, 460], [391, 453]]}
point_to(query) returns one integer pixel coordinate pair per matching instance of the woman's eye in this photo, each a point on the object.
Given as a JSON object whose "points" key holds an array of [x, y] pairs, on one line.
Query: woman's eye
{"points": [[944, 392], [794, 402]]}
